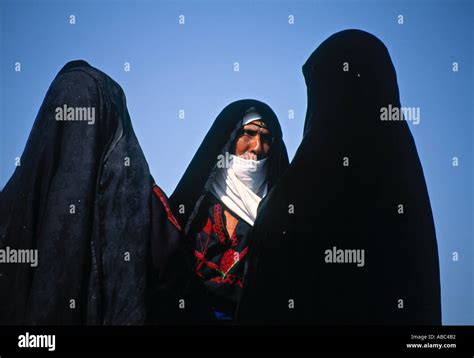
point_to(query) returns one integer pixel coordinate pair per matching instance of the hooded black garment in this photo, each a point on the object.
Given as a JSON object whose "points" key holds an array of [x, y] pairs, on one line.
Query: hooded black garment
{"points": [[195, 183], [356, 182], [193, 204], [108, 246]]}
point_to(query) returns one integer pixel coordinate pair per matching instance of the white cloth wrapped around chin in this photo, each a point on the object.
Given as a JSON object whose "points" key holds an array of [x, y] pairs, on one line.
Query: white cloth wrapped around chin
{"points": [[241, 186]]}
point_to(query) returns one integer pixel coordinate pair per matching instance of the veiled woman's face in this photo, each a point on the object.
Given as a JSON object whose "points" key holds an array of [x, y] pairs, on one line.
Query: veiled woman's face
{"points": [[253, 141]]}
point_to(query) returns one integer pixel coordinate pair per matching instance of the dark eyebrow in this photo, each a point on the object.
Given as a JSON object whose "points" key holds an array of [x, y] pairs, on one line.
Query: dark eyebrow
{"points": [[263, 125], [256, 125]]}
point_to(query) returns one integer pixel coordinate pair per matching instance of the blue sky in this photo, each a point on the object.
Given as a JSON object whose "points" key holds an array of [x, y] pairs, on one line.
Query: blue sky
{"points": [[190, 67]]}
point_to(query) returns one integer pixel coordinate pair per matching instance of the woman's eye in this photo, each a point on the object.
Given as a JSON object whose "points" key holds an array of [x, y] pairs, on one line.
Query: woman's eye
{"points": [[250, 132]]}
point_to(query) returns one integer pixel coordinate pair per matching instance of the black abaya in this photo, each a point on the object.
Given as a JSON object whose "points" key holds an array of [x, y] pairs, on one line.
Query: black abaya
{"points": [[356, 182]]}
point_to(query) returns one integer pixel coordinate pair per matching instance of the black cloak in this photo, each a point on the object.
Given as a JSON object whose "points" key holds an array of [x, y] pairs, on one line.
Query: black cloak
{"points": [[108, 251], [356, 182], [194, 185]]}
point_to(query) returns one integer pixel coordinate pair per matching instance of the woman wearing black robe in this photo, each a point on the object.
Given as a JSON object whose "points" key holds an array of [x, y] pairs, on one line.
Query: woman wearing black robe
{"points": [[201, 214], [108, 245], [356, 182]]}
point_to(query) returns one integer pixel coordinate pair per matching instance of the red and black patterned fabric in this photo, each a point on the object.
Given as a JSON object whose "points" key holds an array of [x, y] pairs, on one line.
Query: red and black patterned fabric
{"points": [[220, 257]]}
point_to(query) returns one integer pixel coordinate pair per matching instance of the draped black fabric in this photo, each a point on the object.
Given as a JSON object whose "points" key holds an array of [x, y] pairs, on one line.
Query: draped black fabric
{"points": [[356, 182], [191, 189], [108, 252]]}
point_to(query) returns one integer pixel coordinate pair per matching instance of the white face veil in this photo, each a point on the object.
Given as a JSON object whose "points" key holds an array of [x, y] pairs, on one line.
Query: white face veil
{"points": [[242, 183]]}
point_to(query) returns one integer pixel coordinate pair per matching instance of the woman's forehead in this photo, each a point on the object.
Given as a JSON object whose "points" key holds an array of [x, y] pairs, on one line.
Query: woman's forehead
{"points": [[258, 123]]}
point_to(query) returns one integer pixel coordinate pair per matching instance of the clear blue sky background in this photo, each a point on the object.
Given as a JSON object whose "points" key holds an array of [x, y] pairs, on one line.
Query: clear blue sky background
{"points": [[190, 67]]}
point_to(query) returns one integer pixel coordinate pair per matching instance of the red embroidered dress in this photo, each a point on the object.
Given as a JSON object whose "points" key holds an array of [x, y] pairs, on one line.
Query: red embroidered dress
{"points": [[220, 258]]}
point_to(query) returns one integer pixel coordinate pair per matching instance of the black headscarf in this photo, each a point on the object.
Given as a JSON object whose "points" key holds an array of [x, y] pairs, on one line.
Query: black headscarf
{"points": [[108, 251], [195, 182], [320, 204]]}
